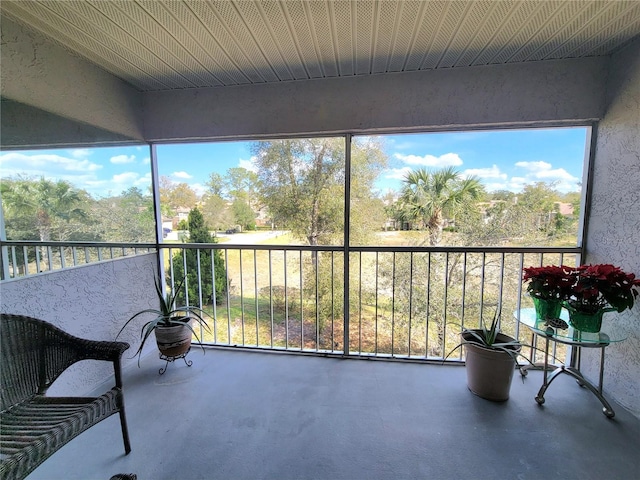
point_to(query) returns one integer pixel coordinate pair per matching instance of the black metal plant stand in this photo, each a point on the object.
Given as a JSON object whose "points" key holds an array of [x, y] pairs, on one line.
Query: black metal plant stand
{"points": [[173, 359]]}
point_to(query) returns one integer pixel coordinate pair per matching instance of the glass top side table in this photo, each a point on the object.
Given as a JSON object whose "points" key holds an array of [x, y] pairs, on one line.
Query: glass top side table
{"points": [[576, 339]]}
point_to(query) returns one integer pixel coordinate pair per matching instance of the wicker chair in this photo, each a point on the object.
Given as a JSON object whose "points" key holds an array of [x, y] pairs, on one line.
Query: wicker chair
{"points": [[33, 426]]}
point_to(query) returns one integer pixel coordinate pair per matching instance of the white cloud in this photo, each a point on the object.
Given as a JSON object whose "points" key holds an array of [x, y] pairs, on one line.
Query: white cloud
{"points": [[117, 183], [146, 161], [492, 187], [446, 160], [49, 165], [80, 152], [199, 188], [539, 171], [517, 184], [249, 164], [489, 172], [534, 166], [182, 175], [543, 172], [555, 174], [120, 159], [398, 173], [144, 180], [125, 178], [73, 166]]}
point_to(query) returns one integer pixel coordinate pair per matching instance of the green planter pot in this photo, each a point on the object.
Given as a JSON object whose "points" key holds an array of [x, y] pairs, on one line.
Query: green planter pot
{"points": [[546, 309], [590, 322]]}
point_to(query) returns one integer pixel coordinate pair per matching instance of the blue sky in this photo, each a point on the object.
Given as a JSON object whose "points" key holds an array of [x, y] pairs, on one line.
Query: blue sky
{"points": [[506, 160]]}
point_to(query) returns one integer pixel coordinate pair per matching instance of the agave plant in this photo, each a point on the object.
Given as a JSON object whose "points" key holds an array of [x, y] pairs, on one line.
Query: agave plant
{"points": [[489, 338], [490, 358], [168, 315]]}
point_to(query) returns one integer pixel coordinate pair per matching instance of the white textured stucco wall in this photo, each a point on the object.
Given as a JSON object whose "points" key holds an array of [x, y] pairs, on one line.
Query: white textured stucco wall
{"points": [[614, 223], [39, 73], [46, 129], [90, 301]]}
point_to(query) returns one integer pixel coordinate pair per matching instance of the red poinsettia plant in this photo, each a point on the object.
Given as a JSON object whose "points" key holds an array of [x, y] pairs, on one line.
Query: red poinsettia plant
{"points": [[603, 285], [587, 288], [549, 283]]}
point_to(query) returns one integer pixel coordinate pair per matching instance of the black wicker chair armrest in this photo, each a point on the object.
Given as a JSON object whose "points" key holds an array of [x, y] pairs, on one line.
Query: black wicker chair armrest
{"points": [[101, 349]]}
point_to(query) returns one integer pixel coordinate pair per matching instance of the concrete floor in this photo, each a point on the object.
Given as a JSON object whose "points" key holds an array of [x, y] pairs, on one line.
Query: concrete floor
{"points": [[249, 415]]}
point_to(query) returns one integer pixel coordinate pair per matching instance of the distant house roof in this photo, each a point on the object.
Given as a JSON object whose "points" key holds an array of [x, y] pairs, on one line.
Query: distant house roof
{"points": [[564, 208]]}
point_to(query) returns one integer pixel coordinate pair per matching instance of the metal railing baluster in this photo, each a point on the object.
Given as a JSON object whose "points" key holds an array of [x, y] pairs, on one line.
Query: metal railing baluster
{"points": [[376, 308], [316, 270], [226, 262], [393, 302], [199, 277], [214, 296], [464, 295], [410, 300], [286, 304], [428, 289], [359, 303], [271, 295], [255, 294], [25, 258], [50, 258], [14, 262], [333, 341], [300, 270], [241, 295]]}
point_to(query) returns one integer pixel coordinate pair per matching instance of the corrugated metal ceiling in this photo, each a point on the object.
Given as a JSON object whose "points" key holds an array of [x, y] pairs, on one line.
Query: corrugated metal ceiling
{"points": [[169, 44]]}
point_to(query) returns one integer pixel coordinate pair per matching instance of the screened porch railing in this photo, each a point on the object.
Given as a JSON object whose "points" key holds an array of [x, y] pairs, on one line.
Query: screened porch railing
{"points": [[402, 302]]}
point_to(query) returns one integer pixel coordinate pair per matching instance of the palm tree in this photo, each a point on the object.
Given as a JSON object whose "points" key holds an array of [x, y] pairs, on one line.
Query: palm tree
{"points": [[429, 196], [42, 203], [42, 207]]}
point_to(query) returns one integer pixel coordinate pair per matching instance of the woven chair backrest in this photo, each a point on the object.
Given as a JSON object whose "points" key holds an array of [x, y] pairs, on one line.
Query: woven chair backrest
{"points": [[33, 354]]}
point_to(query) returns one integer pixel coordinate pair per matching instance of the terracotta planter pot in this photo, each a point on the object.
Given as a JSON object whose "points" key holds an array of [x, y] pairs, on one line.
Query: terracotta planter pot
{"points": [[489, 372], [173, 341]]}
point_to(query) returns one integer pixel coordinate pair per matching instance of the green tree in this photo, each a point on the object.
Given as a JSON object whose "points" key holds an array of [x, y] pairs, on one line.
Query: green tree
{"points": [[503, 195], [429, 197], [183, 225], [301, 182], [240, 186], [575, 199], [44, 209], [367, 210], [211, 263], [241, 183], [215, 184], [182, 195], [243, 214], [128, 217], [175, 195], [216, 211], [540, 199]]}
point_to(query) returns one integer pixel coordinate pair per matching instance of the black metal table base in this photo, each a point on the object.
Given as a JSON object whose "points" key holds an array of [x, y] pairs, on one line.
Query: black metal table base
{"points": [[173, 359]]}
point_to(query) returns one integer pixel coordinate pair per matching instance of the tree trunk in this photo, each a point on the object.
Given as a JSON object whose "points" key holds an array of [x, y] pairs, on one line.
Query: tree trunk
{"points": [[435, 227]]}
